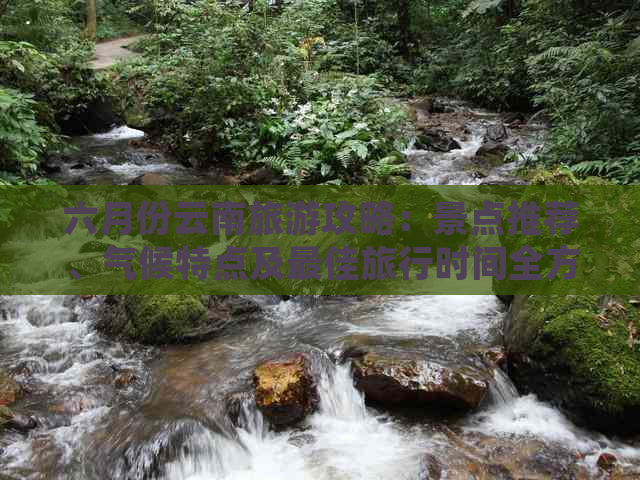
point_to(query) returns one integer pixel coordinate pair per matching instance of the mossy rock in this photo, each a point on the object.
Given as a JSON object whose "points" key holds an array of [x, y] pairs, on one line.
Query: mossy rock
{"points": [[158, 319], [581, 353], [165, 319]]}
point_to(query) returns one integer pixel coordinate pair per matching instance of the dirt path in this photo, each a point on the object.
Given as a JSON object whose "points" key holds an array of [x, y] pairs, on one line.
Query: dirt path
{"points": [[108, 53]]}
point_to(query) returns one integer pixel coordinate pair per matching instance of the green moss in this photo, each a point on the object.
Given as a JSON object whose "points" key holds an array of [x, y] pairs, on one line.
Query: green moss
{"points": [[163, 318], [592, 344], [6, 416]]}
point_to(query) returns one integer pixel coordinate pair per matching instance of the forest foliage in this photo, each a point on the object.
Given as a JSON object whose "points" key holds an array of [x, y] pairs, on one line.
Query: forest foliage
{"points": [[306, 87]]}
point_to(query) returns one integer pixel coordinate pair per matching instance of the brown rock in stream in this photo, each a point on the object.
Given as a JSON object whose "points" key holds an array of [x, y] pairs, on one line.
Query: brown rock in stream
{"points": [[12, 420], [394, 382], [607, 462], [124, 379], [285, 390], [10, 391]]}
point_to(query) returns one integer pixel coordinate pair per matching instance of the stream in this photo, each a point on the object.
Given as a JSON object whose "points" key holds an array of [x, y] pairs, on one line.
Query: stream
{"points": [[170, 422]]}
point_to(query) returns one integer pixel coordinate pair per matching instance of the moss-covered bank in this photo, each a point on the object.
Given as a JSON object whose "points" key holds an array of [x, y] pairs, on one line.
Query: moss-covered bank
{"points": [[165, 319], [581, 353]]}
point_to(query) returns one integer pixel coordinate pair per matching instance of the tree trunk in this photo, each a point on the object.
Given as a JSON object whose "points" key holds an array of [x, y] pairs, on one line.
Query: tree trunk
{"points": [[4, 4], [512, 8], [403, 26], [92, 20]]}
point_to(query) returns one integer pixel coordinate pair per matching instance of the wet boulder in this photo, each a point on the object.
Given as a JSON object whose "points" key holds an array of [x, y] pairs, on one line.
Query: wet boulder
{"points": [[285, 391], [477, 456], [416, 382], [496, 133], [10, 390], [150, 179], [430, 468], [513, 119], [494, 356], [607, 462], [501, 180], [14, 421], [430, 105], [263, 176], [581, 354], [226, 310], [166, 319], [489, 156], [436, 140], [125, 378]]}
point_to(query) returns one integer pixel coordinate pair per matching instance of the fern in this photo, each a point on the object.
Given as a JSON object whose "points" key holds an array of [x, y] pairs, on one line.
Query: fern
{"points": [[567, 52], [345, 156], [595, 167]]}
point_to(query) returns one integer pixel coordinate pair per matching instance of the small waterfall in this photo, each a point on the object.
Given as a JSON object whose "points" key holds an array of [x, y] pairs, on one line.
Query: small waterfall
{"points": [[339, 398], [342, 440], [502, 389], [119, 133]]}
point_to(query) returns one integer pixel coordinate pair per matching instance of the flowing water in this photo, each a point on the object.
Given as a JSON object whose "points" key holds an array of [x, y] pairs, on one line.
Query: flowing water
{"points": [[171, 421]]}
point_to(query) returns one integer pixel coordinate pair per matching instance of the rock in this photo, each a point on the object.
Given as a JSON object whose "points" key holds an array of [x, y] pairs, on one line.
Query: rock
{"points": [[492, 153], [285, 391], [225, 310], [430, 105], [436, 141], [495, 356], [489, 156], [263, 176], [574, 351], [497, 180], [125, 378], [150, 179], [10, 391], [607, 462], [394, 382], [14, 421], [498, 472], [476, 456], [430, 468], [162, 319], [496, 133], [513, 119], [94, 246]]}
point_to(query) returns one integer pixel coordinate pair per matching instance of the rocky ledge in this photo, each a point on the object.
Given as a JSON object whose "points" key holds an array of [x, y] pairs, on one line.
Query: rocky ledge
{"points": [[418, 382], [580, 353]]}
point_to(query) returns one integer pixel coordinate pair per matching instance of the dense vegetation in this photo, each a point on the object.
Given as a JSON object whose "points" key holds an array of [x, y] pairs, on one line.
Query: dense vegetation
{"points": [[305, 87]]}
